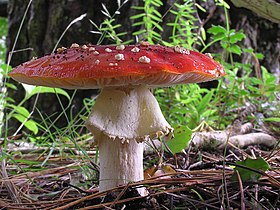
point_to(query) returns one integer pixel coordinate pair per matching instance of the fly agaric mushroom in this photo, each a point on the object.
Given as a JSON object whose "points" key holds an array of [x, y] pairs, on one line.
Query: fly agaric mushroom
{"points": [[125, 113]]}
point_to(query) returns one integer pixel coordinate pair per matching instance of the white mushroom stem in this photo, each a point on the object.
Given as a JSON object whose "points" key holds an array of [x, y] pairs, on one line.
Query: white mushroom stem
{"points": [[121, 119], [120, 162]]}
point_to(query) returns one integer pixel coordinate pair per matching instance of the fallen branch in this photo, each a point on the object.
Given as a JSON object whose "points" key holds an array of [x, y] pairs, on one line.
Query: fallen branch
{"points": [[220, 139], [269, 9]]}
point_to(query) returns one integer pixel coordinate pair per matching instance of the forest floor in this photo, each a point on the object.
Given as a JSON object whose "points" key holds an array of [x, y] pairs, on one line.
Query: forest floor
{"points": [[198, 179]]}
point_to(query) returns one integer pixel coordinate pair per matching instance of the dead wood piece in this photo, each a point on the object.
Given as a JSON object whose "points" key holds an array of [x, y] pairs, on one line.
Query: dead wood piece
{"points": [[269, 9], [219, 139], [253, 139]]}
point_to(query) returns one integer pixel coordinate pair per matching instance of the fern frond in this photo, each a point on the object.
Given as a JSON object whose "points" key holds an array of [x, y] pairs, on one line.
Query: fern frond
{"points": [[149, 19], [184, 31]]}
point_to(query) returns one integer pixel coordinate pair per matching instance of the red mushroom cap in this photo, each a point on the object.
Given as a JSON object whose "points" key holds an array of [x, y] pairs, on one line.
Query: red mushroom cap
{"points": [[89, 67]]}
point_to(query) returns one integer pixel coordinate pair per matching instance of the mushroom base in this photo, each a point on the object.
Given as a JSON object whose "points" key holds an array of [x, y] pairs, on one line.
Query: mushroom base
{"points": [[120, 163]]}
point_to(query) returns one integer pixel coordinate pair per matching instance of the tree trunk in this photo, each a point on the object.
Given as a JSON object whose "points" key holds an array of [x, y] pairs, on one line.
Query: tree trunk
{"points": [[3, 8]]}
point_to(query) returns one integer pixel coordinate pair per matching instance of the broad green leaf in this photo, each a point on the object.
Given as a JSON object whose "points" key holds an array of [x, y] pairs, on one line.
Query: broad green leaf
{"points": [[248, 50], [217, 30], [10, 85], [29, 124], [219, 36], [267, 77], [41, 89], [246, 174], [238, 36], [182, 137], [4, 68], [235, 49], [19, 109], [259, 56]]}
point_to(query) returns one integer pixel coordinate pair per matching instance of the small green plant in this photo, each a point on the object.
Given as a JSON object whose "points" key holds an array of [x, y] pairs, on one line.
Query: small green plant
{"points": [[184, 31], [186, 104], [228, 39], [149, 20], [250, 169]]}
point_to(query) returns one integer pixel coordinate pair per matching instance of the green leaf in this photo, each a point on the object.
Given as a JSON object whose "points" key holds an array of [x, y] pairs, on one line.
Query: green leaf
{"points": [[259, 56], [10, 85], [222, 3], [255, 81], [208, 113], [246, 174], [29, 124], [157, 26], [5, 69], [217, 30], [139, 32], [137, 8], [20, 110], [156, 3], [235, 49], [204, 102], [248, 50], [41, 89], [244, 92], [158, 14], [203, 33], [200, 7], [236, 37], [182, 137], [272, 119], [137, 16], [138, 23]]}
